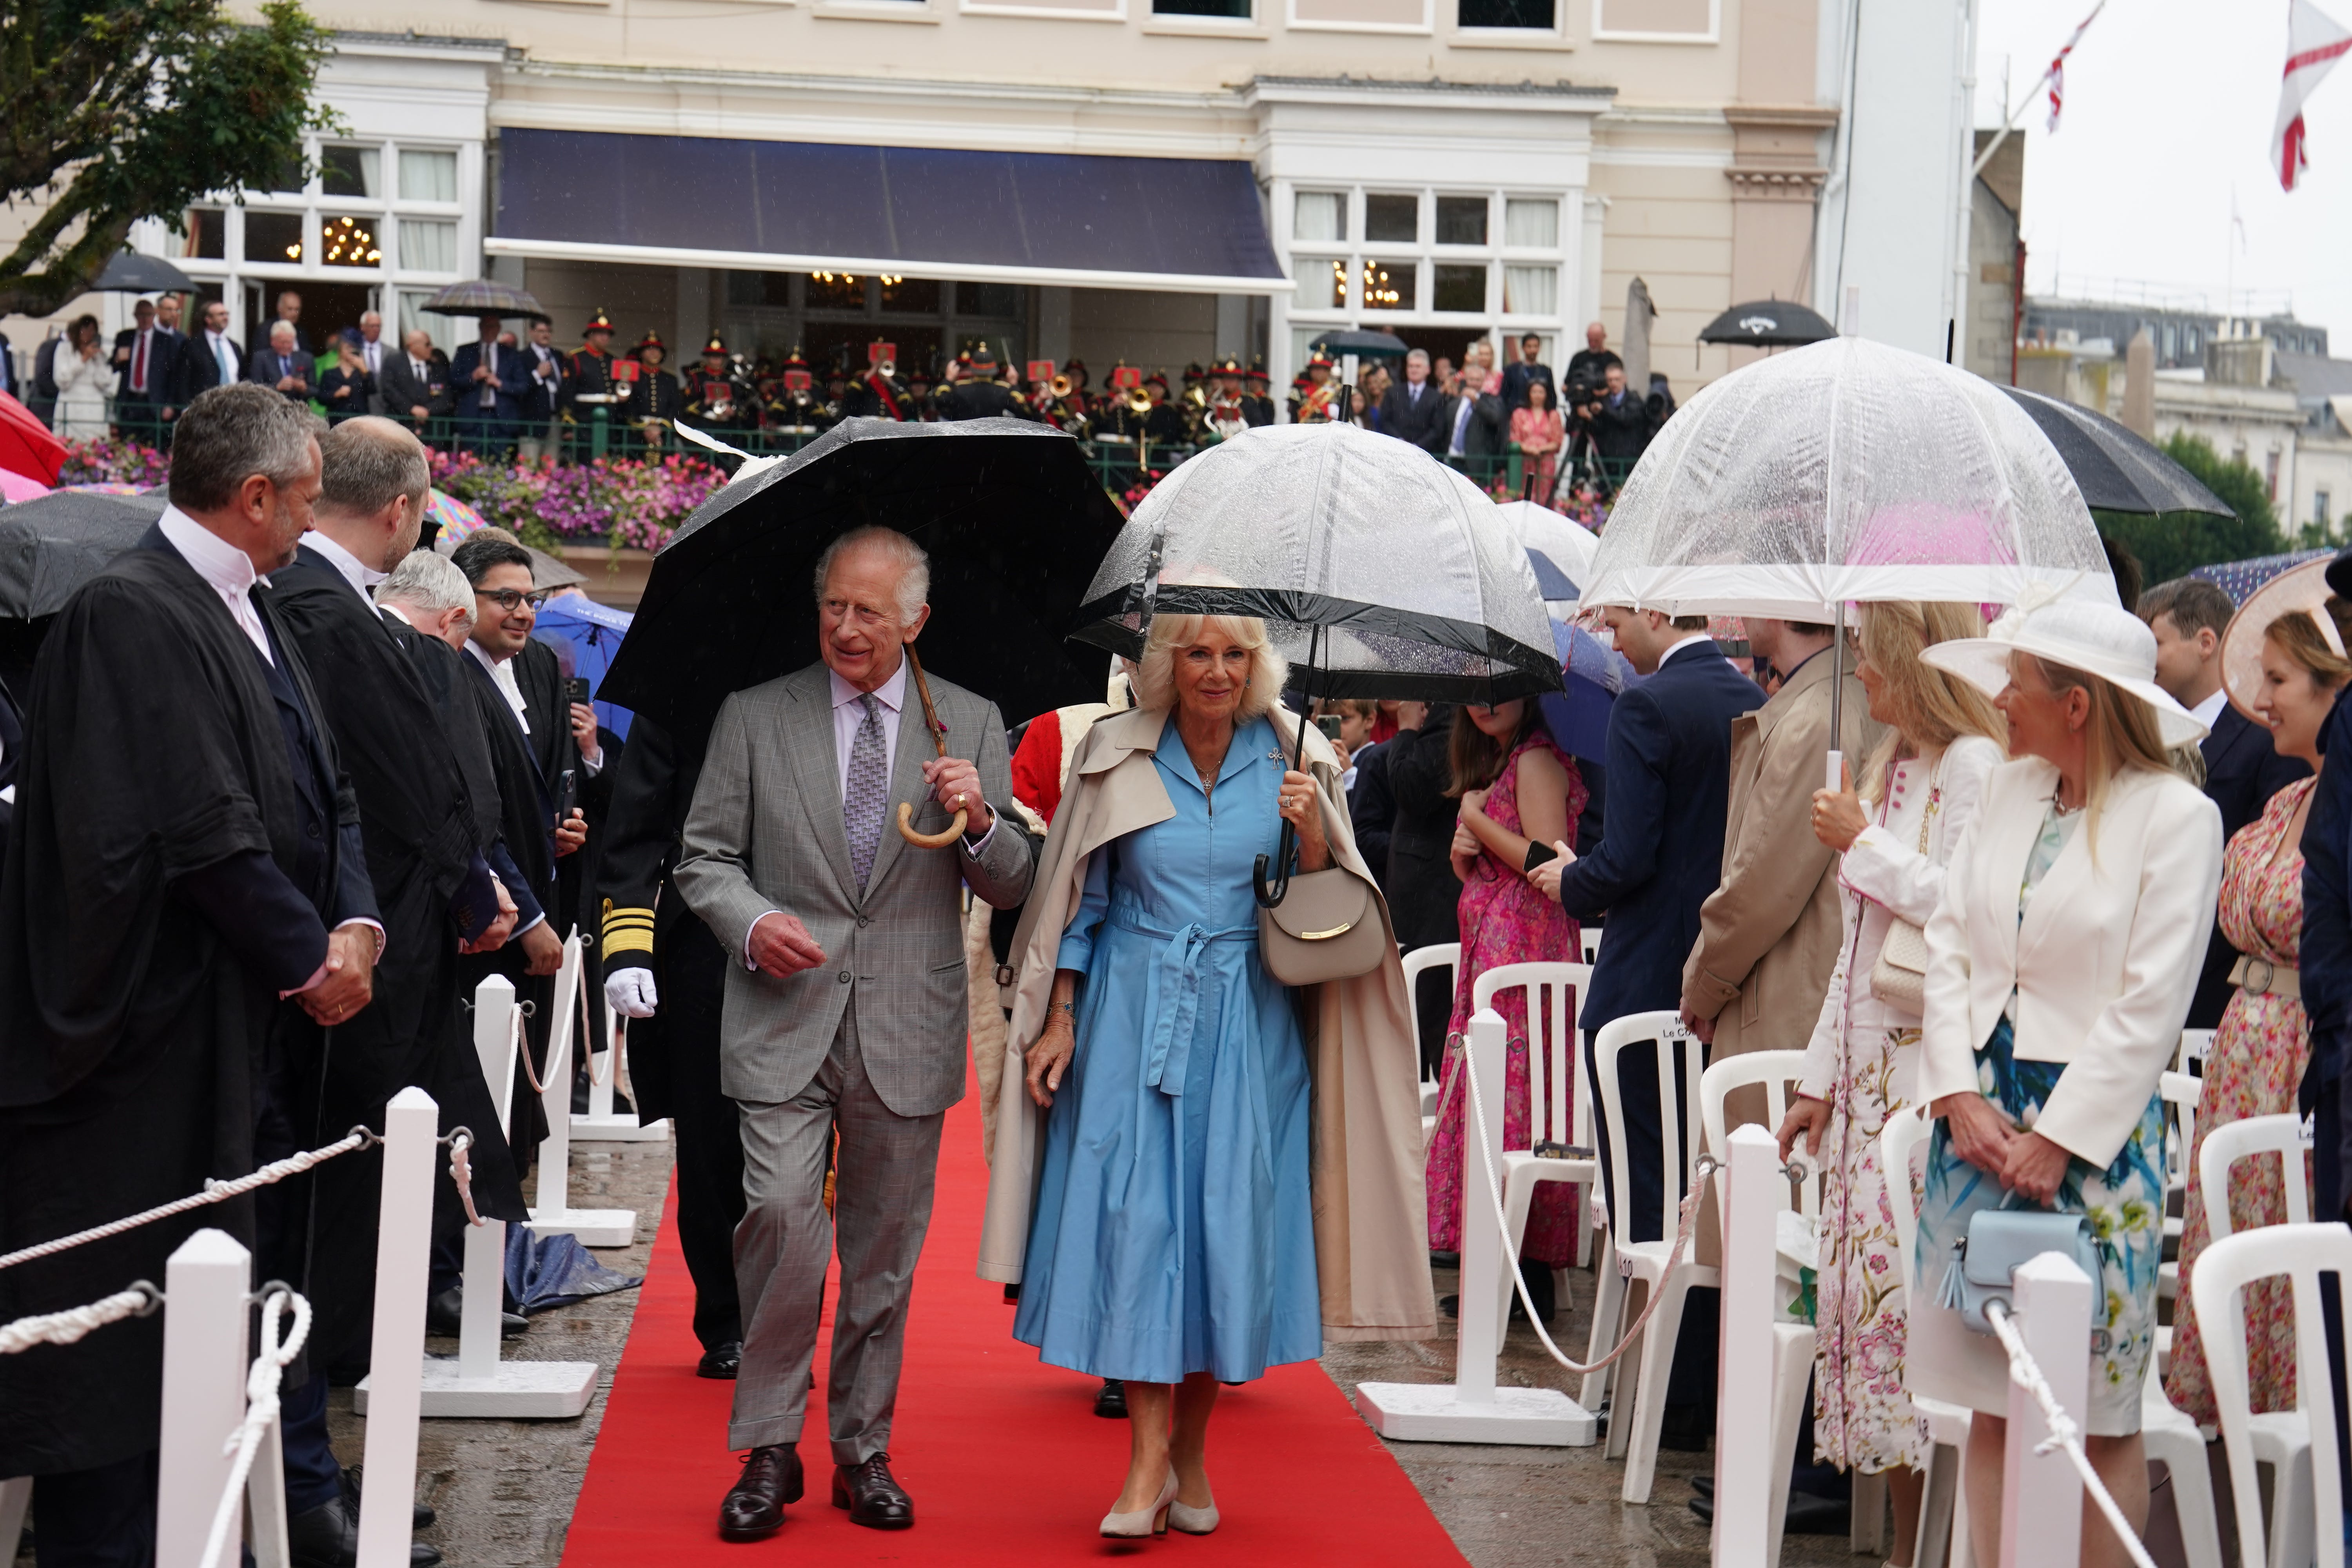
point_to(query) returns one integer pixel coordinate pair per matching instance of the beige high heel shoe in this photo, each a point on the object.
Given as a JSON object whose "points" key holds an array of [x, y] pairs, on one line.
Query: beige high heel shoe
{"points": [[1143, 1522], [1192, 1521]]}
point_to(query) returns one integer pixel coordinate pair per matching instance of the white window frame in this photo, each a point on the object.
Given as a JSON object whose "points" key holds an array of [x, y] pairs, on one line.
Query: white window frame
{"points": [[1425, 27], [1118, 13], [1177, 25], [1425, 254], [1713, 34]]}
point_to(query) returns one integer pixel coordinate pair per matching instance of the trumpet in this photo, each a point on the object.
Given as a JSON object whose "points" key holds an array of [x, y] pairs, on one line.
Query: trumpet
{"points": [[1059, 386]]}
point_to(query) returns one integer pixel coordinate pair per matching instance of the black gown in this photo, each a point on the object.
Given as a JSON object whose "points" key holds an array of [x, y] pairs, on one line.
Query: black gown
{"points": [[416, 820], [132, 1027]]}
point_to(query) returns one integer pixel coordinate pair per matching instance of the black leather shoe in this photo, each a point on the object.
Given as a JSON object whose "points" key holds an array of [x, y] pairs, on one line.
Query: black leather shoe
{"points": [[723, 1361], [1110, 1400], [328, 1536], [443, 1314], [1703, 1485], [420, 1515], [871, 1496], [754, 1508]]}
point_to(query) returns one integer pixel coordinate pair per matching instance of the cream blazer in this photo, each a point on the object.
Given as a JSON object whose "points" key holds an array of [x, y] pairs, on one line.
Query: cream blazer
{"points": [[1372, 1216], [2104, 962]]}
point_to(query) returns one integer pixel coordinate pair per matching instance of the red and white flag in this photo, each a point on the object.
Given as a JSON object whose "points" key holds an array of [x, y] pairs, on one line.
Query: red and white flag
{"points": [[2057, 76], [2313, 45]]}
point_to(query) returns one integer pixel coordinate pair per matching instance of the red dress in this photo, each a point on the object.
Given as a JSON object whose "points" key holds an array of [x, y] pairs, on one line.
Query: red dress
{"points": [[1505, 921]]}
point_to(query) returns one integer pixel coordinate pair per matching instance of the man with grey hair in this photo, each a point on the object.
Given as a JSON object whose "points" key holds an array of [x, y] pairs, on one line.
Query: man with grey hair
{"points": [[186, 905], [414, 388], [283, 364], [845, 1011], [426, 593], [374, 351], [1413, 410]]}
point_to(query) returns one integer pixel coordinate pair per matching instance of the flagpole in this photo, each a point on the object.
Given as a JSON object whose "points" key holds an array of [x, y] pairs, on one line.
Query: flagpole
{"points": [[2031, 92]]}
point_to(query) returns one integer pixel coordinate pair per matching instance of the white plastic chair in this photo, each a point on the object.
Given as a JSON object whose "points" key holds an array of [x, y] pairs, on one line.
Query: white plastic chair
{"points": [[2307, 1501], [1559, 1102], [2194, 1044], [2242, 1140], [2180, 1092], [1588, 939], [1445, 955], [1633, 1435], [1947, 1497]]}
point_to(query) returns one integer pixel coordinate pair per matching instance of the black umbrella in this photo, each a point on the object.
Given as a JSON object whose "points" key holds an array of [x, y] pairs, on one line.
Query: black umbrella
{"points": [[1769, 323], [1364, 345], [52, 545], [131, 273], [1013, 520], [2112, 466], [486, 297]]}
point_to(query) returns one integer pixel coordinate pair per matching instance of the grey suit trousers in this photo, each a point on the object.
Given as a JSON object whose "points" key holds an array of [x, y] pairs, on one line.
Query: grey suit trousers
{"points": [[882, 1209]]}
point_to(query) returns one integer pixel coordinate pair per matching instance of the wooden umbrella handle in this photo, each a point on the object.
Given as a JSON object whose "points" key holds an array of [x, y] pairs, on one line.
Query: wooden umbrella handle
{"points": [[954, 830]]}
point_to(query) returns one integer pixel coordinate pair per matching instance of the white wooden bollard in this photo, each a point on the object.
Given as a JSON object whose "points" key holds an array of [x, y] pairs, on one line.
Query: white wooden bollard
{"points": [[1472, 1409], [1743, 1469], [403, 1247], [602, 1123], [2042, 1494], [206, 1353], [477, 1383], [553, 1214]]}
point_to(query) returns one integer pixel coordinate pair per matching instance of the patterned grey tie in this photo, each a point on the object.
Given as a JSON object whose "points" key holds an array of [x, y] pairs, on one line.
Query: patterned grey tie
{"points": [[868, 791]]}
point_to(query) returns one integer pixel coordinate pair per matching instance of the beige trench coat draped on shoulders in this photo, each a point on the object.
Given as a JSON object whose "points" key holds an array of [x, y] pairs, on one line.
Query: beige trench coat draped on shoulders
{"points": [[1372, 1223]]}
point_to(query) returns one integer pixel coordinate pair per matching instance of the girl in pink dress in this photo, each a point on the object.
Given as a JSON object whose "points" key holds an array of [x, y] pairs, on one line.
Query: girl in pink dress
{"points": [[1536, 431], [1518, 791]]}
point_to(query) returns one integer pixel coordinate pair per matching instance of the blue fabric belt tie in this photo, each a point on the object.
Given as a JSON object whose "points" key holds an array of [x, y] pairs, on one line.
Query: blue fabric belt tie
{"points": [[1172, 997]]}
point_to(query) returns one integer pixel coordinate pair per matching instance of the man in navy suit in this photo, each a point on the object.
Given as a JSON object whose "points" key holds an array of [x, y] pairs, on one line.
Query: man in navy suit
{"points": [[488, 381], [283, 365], [2242, 769], [208, 358], [1660, 855], [144, 355]]}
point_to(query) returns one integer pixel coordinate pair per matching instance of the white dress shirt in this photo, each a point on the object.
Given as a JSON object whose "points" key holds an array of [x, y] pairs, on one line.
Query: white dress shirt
{"points": [[222, 356], [1693, 640], [2208, 711], [502, 676], [1464, 406], [373, 351], [228, 570], [360, 577]]}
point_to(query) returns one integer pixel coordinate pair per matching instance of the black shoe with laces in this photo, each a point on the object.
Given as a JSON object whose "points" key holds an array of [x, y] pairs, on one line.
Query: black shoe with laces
{"points": [[872, 1495]]}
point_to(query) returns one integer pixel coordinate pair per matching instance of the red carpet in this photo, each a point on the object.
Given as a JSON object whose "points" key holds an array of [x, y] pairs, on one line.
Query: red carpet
{"points": [[1004, 1459]]}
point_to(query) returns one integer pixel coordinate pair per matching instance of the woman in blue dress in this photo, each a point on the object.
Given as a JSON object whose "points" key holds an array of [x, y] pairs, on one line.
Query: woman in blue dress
{"points": [[1172, 1239]]}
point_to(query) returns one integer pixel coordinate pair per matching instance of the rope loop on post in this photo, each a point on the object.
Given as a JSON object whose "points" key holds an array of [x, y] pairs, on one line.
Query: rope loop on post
{"points": [[461, 1169], [138, 1299], [2065, 1434], [260, 1408]]}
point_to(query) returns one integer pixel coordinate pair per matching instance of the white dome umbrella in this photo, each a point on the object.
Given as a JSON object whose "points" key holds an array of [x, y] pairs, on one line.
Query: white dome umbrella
{"points": [[1378, 569], [1844, 471], [1569, 546]]}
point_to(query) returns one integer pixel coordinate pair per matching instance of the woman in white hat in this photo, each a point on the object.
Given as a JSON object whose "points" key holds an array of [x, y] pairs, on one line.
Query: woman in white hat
{"points": [[2061, 963]]}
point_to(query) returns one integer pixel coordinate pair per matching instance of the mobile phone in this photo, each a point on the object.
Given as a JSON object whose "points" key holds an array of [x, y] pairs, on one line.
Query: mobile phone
{"points": [[576, 689], [1330, 725], [567, 794]]}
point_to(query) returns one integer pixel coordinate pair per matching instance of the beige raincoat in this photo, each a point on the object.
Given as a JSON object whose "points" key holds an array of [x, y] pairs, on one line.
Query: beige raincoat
{"points": [[1372, 1221]]}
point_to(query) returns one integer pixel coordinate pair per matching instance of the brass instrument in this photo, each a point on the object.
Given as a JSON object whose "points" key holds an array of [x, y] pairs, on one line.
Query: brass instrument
{"points": [[1137, 401], [1196, 400], [1059, 387]]}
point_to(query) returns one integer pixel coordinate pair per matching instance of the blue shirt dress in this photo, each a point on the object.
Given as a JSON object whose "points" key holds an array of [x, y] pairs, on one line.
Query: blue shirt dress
{"points": [[1174, 1231]]}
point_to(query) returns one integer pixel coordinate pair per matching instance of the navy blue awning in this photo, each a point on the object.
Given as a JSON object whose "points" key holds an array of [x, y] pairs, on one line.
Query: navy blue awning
{"points": [[983, 216]]}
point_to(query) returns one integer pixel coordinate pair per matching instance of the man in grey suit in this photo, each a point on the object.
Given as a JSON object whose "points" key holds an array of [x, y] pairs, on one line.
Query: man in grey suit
{"points": [[845, 1008]]}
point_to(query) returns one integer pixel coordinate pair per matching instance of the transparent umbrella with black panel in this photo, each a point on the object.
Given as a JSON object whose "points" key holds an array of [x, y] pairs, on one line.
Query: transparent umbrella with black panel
{"points": [[1009, 511], [1378, 571]]}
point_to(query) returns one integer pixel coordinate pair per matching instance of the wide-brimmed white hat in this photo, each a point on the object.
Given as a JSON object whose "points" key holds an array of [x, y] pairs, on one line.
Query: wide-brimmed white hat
{"points": [[2104, 640]]}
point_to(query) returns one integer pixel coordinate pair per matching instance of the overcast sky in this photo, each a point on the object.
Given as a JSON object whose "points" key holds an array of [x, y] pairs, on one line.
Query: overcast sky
{"points": [[2168, 105]]}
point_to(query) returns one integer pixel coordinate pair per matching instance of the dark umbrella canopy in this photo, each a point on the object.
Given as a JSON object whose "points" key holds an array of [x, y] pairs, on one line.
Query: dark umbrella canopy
{"points": [[1014, 522], [486, 297], [2112, 466], [1361, 344], [1769, 323], [131, 273], [51, 546]]}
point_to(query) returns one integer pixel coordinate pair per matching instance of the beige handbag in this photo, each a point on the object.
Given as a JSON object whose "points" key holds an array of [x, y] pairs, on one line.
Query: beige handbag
{"points": [[1900, 976], [1326, 928]]}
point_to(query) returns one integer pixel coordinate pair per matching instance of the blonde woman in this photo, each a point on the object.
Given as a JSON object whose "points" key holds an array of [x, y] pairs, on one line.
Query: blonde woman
{"points": [[1182, 1201], [1920, 791], [2060, 966]]}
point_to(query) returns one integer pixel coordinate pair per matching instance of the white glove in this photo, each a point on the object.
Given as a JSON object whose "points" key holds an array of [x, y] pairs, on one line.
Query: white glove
{"points": [[631, 992]]}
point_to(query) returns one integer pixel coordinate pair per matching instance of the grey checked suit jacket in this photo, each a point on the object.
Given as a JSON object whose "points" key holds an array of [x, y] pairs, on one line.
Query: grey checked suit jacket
{"points": [[765, 833]]}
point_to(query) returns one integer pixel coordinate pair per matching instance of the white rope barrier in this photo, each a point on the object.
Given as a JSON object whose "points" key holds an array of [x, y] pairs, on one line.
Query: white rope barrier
{"points": [[1704, 1167], [2064, 1432], [260, 1410], [66, 1327], [216, 1192]]}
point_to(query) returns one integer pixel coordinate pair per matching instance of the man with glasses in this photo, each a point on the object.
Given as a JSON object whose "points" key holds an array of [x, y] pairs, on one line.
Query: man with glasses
{"points": [[506, 606]]}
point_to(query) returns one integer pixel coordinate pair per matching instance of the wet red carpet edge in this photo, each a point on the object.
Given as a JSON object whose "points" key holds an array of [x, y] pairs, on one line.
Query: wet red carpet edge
{"points": [[1004, 1457]]}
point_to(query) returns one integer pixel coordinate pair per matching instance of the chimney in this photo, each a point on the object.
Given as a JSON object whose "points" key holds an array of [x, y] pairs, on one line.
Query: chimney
{"points": [[2139, 386]]}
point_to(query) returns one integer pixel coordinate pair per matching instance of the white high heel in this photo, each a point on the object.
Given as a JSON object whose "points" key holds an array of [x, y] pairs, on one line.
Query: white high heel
{"points": [[1192, 1521], [1143, 1522]]}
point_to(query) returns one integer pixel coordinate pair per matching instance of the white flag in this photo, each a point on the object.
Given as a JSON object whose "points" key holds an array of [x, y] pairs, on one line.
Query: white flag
{"points": [[2313, 45]]}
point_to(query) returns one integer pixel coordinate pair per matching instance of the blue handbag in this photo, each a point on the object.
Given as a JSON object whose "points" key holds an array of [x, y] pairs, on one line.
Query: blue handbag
{"points": [[1985, 1260]]}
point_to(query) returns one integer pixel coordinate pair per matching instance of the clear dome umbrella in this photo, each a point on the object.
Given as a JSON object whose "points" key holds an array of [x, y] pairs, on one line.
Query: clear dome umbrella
{"points": [[1378, 571], [1847, 471]]}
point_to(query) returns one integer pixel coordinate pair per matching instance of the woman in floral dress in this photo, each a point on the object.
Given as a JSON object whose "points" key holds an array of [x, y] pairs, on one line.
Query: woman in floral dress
{"points": [[1919, 791], [2255, 1064], [1519, 795]]}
